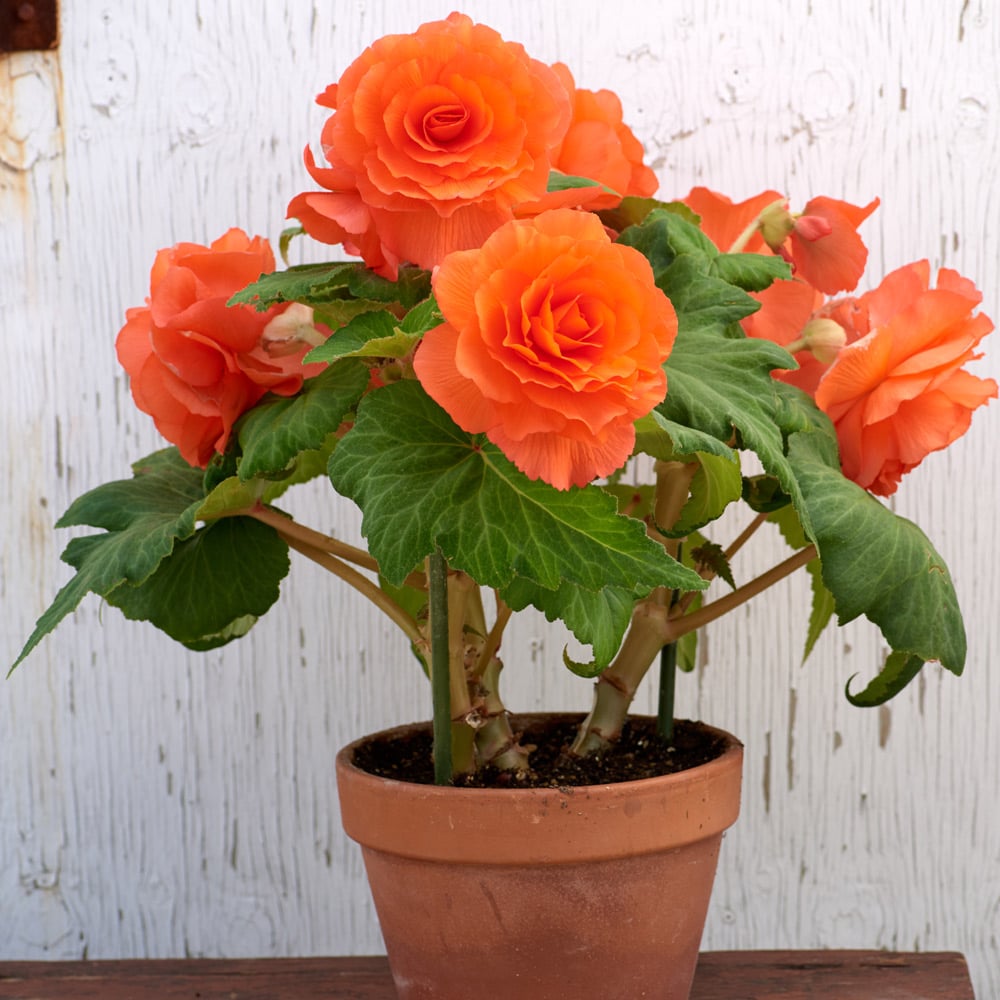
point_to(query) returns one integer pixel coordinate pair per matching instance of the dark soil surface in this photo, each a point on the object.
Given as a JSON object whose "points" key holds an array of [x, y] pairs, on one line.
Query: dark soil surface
{"points": [[640, 753]]}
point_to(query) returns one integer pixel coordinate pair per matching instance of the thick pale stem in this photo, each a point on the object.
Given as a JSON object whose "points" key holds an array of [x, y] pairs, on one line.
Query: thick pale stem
{"points": [[463, 716], [616, 687], [496, 743], [492, 644]]}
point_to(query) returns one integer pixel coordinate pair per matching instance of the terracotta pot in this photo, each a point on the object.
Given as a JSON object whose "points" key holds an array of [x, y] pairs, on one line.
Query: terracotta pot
{"points": [[542, 894]]}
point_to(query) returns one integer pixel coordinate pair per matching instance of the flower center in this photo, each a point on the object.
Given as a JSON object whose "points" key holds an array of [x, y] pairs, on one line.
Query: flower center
{"points": [[445, 124]]}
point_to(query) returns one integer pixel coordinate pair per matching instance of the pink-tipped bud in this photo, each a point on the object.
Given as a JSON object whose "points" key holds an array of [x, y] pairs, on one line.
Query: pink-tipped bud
{"points": [[812, 227]]}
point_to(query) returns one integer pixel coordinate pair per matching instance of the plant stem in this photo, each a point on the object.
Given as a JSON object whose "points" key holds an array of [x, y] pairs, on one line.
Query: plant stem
{"points": [[492, 643], [667, 689], [362, 584], [680, 624], [463, 593], [708, 574], [616, 687], [744, 536], [437, 577], [289, 528], [496, 743]]}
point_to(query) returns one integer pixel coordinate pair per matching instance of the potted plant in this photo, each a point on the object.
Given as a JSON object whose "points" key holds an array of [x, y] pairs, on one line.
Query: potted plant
{"points": [[543, 387]]}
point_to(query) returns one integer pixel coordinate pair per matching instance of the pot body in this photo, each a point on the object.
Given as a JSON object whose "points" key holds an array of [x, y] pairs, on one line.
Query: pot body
{"points": [[542, 894]]}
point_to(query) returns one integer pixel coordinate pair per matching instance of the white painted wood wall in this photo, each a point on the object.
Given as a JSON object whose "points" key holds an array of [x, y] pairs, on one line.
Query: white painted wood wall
{"points": [[160, 803]]}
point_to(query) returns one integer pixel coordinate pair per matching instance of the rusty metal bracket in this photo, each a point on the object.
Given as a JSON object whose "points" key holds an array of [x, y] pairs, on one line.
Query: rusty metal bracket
{"points": [[28, 25]]}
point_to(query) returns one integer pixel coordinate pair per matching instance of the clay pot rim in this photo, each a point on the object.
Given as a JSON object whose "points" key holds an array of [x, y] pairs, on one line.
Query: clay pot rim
{"points": [[345, 755], [501, 825]]}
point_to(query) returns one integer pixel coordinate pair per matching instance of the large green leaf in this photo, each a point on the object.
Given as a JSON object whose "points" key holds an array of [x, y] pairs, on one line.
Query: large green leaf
{"points": [[274, 433], [876, 563], [143, 518], [423, 483], [213, 586], [202, 585]]}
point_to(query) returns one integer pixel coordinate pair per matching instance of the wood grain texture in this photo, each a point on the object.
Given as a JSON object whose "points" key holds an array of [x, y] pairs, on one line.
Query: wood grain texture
{"points": [[159, 803], [767, 975]]}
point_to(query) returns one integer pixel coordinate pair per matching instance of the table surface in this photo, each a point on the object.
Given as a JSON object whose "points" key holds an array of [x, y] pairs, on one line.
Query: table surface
{"points": [[721, 975]]}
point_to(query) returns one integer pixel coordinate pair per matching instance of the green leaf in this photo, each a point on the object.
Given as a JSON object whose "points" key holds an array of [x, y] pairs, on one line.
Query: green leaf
{"points": [[670, 441], [422, 317], [337, 313], [285, 240], [899, 669], [716, 484], [213, 585], [712, 556], [143, 517], [311, 284], [822, 610], [423, 483], [370, 335], [752, 272], [566, 182], [876, 563], [319, 284], [412, 285], [598, 618], [764, 495], [279, 428], [631, 211]]}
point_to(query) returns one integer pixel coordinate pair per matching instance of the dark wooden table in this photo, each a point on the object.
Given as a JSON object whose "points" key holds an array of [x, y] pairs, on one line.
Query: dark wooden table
{"points": [[722, 975]]}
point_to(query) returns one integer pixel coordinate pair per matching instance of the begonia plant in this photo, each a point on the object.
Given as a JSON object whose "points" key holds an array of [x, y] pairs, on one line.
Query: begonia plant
{"points": [[543, 387]]}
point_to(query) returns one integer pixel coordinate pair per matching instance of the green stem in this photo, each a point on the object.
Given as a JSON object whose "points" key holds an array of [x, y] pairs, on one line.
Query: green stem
{"points": [[289, 528], [681, 624], [667, 690], [668, 682], [437, 576]]}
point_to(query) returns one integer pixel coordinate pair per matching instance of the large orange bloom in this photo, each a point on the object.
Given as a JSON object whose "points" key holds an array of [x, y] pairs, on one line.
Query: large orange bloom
{"points": [[194, 364], [901, 391], [552, 346], [435, 136]]}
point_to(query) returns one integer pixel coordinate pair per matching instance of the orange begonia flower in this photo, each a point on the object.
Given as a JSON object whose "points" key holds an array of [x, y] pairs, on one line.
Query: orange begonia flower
{"points": [[824, 247], [435, 137], [600, 146], [553, 344], [901, 391], [194, 364]]}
